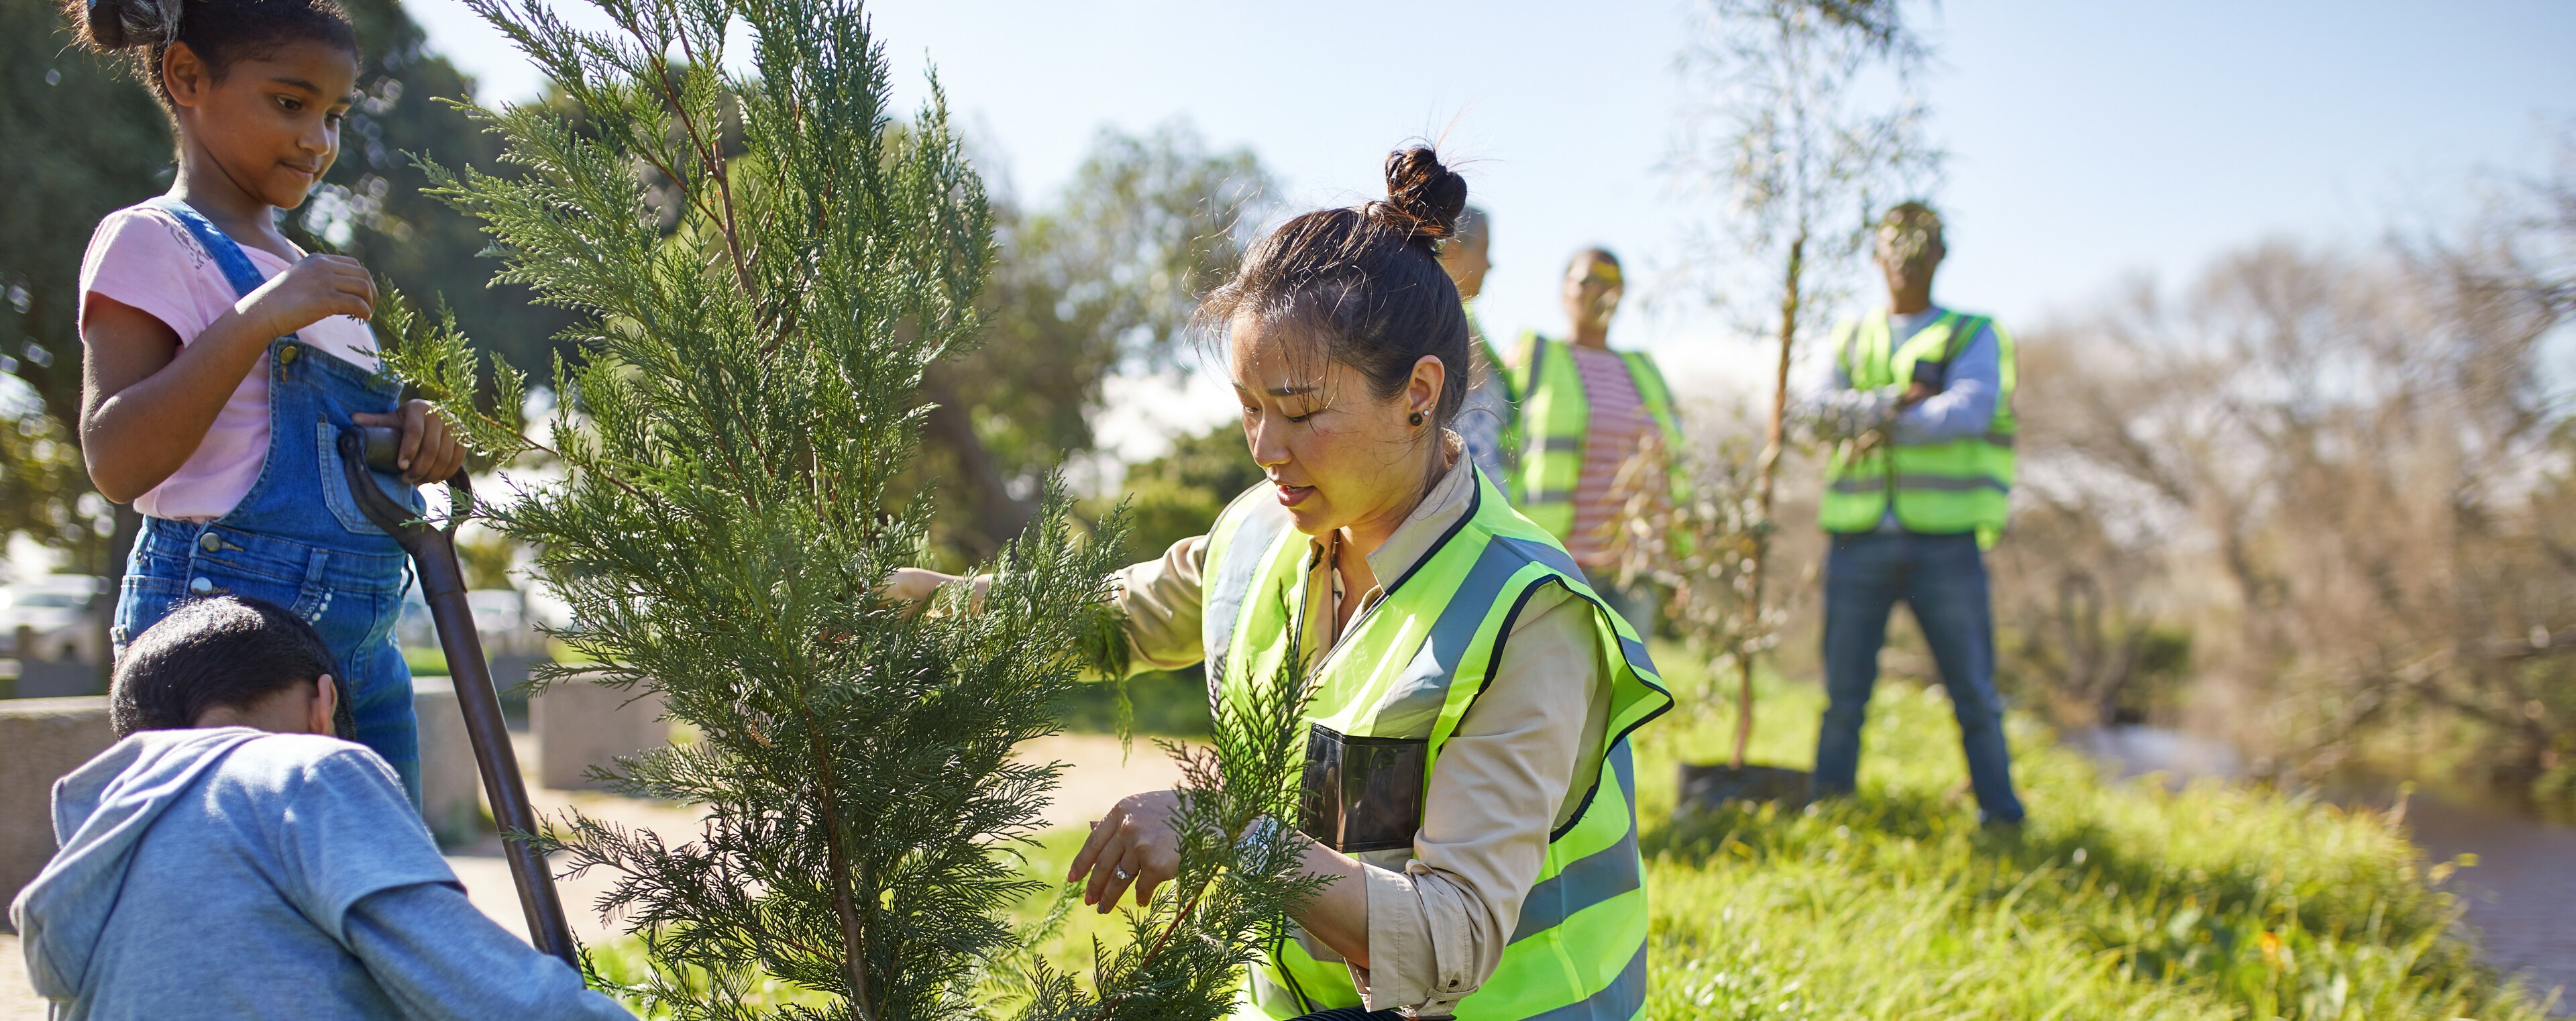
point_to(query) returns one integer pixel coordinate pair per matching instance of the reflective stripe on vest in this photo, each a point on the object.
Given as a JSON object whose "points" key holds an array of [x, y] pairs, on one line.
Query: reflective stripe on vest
{"points": [[1406, 670], [1951, 487], [1555, 412]]}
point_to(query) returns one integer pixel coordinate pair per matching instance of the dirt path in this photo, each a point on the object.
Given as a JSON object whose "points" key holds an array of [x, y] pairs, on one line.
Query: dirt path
{"points": [[18, 1000], [1095, 777]]}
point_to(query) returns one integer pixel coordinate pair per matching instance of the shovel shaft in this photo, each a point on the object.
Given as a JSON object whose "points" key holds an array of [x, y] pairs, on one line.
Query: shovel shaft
{"points": [[442, 585]]}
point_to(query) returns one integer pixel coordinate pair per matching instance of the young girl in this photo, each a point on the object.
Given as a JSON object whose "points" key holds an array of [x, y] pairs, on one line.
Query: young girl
{"points": [[222, 361]]}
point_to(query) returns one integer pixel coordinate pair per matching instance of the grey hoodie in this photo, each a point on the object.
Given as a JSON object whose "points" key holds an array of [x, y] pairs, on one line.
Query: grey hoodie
{"points": [[232, 873], [101, 812]]}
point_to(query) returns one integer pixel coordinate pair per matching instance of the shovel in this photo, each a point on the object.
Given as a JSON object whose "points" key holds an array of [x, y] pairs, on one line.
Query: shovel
{"points": [[442, 583]]}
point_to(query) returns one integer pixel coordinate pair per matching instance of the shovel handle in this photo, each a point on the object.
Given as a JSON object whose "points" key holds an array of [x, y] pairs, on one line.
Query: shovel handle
{"points": [[442, 584]]}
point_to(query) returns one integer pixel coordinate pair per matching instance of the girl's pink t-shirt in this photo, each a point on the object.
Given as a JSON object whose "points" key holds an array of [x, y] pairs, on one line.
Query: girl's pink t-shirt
{"points": [[143, 257]]}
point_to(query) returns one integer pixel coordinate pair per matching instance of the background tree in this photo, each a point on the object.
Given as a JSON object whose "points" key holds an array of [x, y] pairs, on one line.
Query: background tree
{"points": [[86, 138], [1179, 494], [374, 204], [2344, 478], [1102, 280], [1782, 125]]}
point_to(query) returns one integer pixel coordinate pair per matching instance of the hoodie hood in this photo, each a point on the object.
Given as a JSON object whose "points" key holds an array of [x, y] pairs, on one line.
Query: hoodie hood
{"points": [[101, 812]]}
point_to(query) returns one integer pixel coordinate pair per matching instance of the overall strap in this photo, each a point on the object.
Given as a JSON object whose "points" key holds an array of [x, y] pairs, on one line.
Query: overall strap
{"points": [[227, 253]]}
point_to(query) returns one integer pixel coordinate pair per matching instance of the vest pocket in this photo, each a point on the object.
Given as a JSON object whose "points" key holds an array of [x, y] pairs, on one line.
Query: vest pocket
{"points": [[1362, 793]]}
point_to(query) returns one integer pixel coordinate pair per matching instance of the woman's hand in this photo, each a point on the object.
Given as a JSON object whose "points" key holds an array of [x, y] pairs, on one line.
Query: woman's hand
{"points": [[317, 287], [1135, 844], [914, 585], [430, 451]]}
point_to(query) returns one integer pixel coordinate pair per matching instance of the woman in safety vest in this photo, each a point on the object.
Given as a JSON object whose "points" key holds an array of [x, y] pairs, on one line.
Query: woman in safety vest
{"points": [[1585, 411], [1482, 837]]}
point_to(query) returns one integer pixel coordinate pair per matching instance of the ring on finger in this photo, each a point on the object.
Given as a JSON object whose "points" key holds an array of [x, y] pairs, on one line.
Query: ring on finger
{"points": [[1122, 873]]}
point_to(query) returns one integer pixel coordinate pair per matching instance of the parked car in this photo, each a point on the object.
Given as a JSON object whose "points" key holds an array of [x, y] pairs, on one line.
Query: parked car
{"points": [[501, 617], [61, 613]]}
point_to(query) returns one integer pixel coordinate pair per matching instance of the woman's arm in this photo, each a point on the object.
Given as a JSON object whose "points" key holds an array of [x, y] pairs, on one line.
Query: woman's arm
{"points": [[1158, 601], [147, 400]]}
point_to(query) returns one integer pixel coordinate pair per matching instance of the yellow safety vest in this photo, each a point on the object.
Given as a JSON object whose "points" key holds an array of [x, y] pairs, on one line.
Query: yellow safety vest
{"points": [[1555, 413], [1389, 694], [1947, 488]]}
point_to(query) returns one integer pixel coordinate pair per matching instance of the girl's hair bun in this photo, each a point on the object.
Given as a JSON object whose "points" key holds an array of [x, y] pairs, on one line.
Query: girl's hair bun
{"points": [[123, 24], [1423, 198]]}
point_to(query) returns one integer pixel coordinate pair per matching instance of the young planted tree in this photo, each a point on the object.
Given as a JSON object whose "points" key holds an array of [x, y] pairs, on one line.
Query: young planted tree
{"points": [[756, 325], [1241, 872], [1785, 129]]}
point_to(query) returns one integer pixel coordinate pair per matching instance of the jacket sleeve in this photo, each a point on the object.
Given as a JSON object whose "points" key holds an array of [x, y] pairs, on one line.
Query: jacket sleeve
{"points": [[1837, 411], [439, 959], [1966, 404], [1160, 600], [1438, 923]]}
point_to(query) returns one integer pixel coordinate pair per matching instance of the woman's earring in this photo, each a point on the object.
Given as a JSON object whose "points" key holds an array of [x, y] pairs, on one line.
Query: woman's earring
{"points": [[1417, 418]]}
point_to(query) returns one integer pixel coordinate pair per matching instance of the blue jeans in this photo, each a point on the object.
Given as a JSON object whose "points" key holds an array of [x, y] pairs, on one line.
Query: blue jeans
{"points": [[1943, 579]]}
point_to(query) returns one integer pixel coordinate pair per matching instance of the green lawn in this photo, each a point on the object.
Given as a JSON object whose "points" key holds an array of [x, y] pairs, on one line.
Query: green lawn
{"points": [[2117, 900]]}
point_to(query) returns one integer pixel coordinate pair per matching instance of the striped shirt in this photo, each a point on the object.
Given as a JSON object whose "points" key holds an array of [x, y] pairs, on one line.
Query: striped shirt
{"points": [[1619, 425]]}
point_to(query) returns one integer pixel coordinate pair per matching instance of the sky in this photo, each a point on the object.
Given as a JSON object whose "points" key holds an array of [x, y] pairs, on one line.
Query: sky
{"points": [[2090, 143]]}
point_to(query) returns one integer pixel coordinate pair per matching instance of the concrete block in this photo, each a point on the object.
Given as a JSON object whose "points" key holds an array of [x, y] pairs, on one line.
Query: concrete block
{"points": [[579, 725], [43, 739], [451, 789], [40, 678]]}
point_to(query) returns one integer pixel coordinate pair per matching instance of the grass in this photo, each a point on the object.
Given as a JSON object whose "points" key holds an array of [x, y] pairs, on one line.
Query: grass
{"points": [[2116, 900]]}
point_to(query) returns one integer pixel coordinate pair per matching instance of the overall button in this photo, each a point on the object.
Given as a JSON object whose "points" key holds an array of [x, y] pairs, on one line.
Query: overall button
{"points": [[210, 542], [286, 355], [200, 586]]}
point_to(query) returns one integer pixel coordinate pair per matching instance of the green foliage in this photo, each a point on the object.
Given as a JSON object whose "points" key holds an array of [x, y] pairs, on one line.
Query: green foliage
{"points": [[1241, 873], [84, 140], [1104, 278], [375, 204], [44, 489], [1158, 704], [1175, 496], [2117, 899], [745, 401]]}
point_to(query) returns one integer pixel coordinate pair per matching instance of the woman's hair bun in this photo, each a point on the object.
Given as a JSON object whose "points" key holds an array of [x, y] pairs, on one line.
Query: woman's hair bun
{"points": [[1423, 198], [122, 24]]}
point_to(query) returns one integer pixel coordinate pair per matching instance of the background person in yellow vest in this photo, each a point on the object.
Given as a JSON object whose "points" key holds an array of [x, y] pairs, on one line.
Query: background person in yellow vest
{"points": [[1468, 782], [1584, 411], [1486, 422], [1922, 405]]}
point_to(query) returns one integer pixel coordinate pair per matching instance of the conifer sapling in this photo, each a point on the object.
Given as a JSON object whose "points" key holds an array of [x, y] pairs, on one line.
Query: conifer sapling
{"points": [[765, 261]]}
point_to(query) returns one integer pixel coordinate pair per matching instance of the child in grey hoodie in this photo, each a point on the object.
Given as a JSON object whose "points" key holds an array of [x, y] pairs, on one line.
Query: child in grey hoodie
{"points": [[229, 858]]}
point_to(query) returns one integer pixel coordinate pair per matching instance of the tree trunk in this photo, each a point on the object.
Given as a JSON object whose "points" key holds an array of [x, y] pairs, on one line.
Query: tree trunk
{"points": [[1763, 487]]}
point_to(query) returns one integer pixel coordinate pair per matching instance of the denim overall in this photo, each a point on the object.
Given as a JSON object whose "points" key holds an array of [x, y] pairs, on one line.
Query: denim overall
{"points": [[297, 539]]}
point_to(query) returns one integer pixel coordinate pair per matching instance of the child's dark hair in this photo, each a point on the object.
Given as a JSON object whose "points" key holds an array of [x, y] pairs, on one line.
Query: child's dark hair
{"points": [[1367, 281], [220, 651], [219, 32]]}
